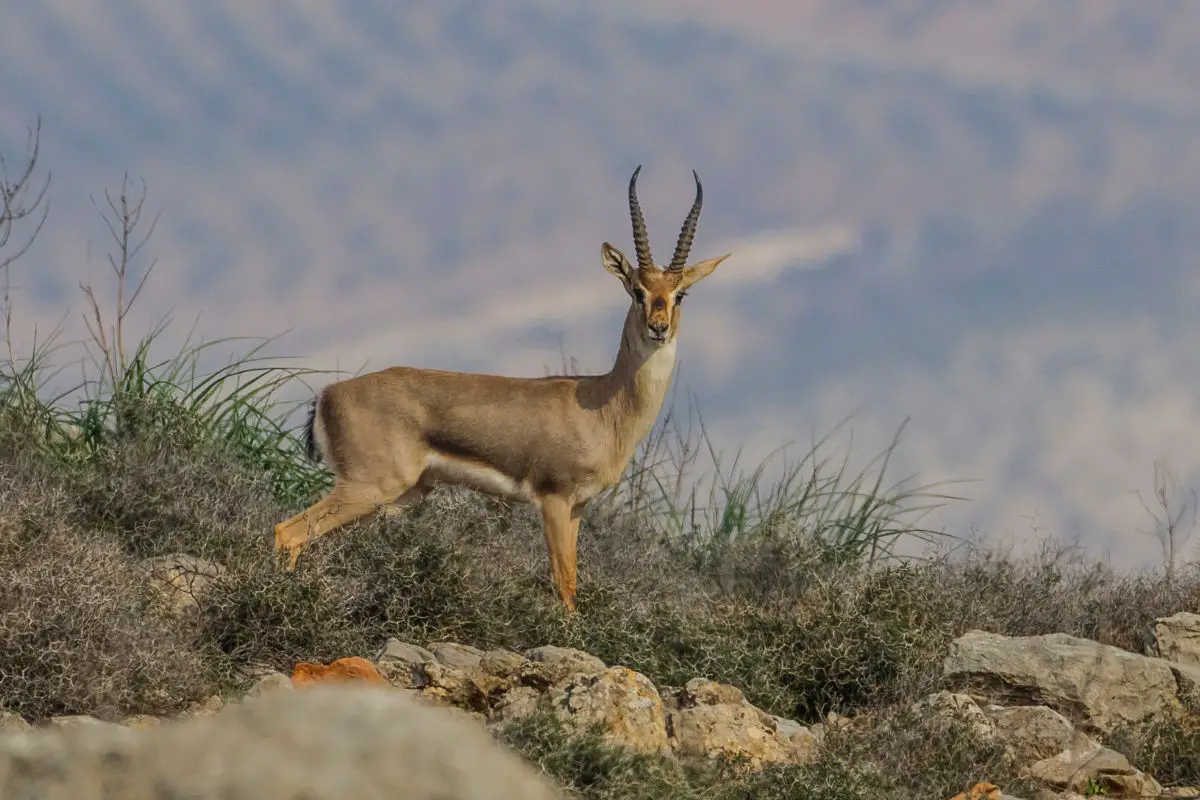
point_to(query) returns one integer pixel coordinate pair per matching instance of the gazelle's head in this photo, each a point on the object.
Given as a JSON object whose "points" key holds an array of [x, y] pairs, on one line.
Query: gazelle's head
{"points": [[657, 292]]}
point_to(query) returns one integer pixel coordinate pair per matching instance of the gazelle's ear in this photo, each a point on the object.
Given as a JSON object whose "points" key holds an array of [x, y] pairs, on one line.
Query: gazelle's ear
{"points": [[698, 272], [616, 262]]}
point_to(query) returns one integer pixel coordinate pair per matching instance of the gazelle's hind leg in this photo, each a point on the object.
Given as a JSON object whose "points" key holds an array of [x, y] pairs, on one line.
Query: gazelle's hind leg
{"points": [[345, 503], [560, 521]]}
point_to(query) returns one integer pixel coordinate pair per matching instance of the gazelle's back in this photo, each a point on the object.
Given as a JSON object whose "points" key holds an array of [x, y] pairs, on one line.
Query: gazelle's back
{"points": [[530, 429]]}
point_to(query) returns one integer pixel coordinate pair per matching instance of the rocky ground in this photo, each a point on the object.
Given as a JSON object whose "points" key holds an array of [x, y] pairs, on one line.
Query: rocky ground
{"points": [[148, 639], [414, 722]]}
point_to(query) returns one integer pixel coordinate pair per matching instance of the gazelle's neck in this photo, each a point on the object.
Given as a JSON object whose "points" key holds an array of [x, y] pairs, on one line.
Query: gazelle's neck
{"points": [[636, 386]]}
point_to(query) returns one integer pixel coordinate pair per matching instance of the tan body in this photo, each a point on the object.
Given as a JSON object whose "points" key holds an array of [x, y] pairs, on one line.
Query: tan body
{"points": [[391, 436]]}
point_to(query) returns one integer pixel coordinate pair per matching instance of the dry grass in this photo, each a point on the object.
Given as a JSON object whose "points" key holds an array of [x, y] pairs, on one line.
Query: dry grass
{"points": [[462, 567], [78, 632]]}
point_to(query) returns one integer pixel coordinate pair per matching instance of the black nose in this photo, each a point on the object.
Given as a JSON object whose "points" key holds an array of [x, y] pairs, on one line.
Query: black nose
{"points": [[658, 327]]}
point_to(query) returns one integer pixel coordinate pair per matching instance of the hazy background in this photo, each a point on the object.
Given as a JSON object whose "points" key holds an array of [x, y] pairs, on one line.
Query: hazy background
{"points": [[978, 215]]}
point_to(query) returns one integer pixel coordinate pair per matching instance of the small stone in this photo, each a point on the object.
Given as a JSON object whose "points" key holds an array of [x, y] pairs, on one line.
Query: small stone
{"points": [[804, 742], [837, 721], [702, 691], [13, 722], [398, 662], [206, 707], [179, 579], [254, 670], [73, 721], [270, 683], [787, 727], [141, 722]]}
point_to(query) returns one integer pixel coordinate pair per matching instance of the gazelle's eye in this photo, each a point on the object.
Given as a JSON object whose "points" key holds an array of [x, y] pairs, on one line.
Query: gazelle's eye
{"points": [[639, 294], [679, 298]]}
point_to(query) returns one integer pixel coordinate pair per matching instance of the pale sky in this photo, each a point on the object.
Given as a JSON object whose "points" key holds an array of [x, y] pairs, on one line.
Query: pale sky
{"points": [[964, 220]]}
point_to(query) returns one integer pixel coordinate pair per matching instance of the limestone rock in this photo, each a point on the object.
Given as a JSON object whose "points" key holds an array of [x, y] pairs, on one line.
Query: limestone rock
{"points": [[625, 703], [1177, 638], [325, 743], [549, 665], [502, 663], [398, 662], [961, 707], [1031, 733], [464, 688], [451, 673], [713, 720], [179, 579], [514, 704], [456, 655], [1085, 762], [1097, 687]]}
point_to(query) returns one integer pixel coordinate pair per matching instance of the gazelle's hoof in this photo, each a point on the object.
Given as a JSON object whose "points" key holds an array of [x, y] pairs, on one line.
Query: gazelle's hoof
{"points": [[287, 557], [285, 545]]}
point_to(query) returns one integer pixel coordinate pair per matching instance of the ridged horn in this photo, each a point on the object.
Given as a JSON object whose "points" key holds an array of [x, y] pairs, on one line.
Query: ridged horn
{"points": [[688, 232], [641, 238]]}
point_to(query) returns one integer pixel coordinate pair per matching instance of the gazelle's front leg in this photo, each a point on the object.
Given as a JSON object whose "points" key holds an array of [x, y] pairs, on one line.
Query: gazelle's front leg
{"points": [[560, 520]]}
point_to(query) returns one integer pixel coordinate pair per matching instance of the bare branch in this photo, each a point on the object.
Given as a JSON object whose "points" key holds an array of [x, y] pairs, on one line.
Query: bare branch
{"points": [[1174, 515], [21, 198], [122, 218]]}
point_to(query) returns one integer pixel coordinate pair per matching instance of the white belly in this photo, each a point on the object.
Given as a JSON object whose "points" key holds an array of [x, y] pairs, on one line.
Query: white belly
{"points": [[442, 468]]}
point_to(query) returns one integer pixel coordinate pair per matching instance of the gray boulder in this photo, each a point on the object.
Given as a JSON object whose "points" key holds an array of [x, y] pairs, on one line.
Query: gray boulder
{"points": [[329, 742]]}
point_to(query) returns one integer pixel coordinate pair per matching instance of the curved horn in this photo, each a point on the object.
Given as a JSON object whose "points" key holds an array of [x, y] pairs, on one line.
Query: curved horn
{"points": [[688, 233], [641, 239]]}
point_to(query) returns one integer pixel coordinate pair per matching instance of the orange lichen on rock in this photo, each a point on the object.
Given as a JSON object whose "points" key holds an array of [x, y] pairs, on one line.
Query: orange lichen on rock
{"points": [[343, 670], [980, 791]]}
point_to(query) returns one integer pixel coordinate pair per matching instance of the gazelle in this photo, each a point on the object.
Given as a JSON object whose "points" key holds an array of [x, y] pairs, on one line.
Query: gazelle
{"points": [[392, 435]]}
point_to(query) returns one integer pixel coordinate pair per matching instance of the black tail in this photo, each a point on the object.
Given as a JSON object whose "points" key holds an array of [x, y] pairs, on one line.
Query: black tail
{"points": [[310, 439]]}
